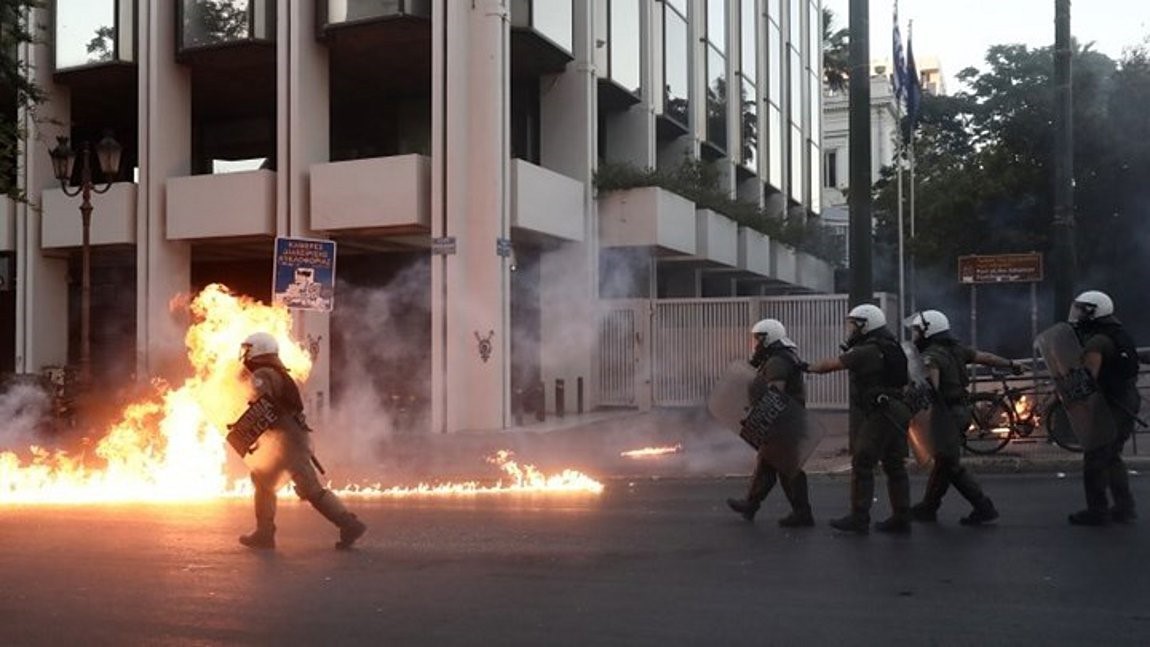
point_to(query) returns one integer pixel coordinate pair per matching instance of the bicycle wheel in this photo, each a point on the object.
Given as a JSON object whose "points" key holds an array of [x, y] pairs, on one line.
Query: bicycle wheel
{"points": [[1059, 430], [992, 420]]}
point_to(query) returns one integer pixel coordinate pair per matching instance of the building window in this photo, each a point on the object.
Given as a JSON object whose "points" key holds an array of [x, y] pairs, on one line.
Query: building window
{"points": [[775, 138], [749, 77], [796, 175], [553, 19], [92, 32], [676, 73], [717, 85], [831, 170], [346, 11], [774, 63], [205, 23], [815, 173], [624, 44]]}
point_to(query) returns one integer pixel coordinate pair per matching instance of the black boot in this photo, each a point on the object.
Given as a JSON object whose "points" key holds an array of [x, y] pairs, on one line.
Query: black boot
{"points": [[856, 523], [746, 508], [898, 490], [1123, 514], [798, 494], [332, 509], [895, 525], [1089, 518], [936, 487], [263, 538], [984, 512]]}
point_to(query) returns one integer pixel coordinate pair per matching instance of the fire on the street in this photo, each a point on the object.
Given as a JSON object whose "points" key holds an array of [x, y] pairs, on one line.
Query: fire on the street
{"points": [[651, 452], [170, 447], [1024, 411]]}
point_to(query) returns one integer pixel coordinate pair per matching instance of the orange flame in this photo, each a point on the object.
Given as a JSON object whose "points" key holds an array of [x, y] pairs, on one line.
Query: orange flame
{"points": [[1025, 411], [648, 452], [171, 446]]}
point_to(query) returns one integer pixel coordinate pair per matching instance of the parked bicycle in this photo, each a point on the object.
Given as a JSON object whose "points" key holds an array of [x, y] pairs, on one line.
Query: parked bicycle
{"points": [[1011, 413]]}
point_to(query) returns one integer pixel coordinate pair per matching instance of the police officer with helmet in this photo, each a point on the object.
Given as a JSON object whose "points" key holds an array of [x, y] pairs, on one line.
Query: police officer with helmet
{"points": [[270, 379], [946, 361], [878, 374], [777, 367], [1111, 357]]}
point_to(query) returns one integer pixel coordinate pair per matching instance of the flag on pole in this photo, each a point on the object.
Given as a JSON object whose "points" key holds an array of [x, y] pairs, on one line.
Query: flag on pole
{"points": [[913, 83], [898, 79]]}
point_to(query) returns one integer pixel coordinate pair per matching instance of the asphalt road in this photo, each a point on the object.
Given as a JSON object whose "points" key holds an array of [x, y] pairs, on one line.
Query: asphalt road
{"points": [[648, 562]]}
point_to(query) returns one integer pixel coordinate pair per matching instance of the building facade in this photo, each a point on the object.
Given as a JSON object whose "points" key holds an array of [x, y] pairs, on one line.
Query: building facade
{"points": [[387, 126]]}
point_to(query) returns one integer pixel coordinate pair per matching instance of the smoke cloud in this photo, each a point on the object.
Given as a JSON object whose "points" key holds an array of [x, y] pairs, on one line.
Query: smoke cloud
{"points": [[24, 411]]}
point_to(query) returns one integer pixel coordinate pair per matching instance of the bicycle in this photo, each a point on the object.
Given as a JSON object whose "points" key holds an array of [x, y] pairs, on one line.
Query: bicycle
{"points": [[1011, 413]]}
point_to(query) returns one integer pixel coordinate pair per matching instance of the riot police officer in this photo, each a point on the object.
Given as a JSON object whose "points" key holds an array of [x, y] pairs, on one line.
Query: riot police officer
{"points": [[291, 438], [1110, 355], [878, 373], [777, 367], [946, 360]]}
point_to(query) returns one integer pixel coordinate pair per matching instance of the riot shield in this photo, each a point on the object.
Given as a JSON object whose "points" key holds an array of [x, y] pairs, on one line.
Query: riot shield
{"points": [[260, 416], [932, 429], [776, 422], [1086, 407]]}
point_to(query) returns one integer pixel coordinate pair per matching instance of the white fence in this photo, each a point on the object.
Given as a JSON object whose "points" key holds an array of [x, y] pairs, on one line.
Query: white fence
{"points": [[693, 340]]}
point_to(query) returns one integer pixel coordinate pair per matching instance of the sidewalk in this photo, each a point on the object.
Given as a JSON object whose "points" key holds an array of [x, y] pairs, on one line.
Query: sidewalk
{"points": [[594, 443]]}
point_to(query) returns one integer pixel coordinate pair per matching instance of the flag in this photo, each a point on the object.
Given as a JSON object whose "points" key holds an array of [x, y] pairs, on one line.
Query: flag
{"points": [[913, 83], [898, 79]]}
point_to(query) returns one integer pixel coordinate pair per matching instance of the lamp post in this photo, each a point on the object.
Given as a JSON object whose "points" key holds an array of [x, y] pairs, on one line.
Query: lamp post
{"points": [[63, 158]]}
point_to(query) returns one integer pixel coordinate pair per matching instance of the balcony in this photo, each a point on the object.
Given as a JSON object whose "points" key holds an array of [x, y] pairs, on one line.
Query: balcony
{"points": [[784, 263], [205, 25], [754, 252], [7, 224], [648, 217], [389, 195], [334, 14], [113, 218], [542, 34], [232, 205], [717, 237], [815, 273], [546, 202]]}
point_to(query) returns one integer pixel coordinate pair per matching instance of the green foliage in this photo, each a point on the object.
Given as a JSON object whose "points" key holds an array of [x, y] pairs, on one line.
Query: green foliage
{"points": [[698, 182], [16, 89], [836, 53]]}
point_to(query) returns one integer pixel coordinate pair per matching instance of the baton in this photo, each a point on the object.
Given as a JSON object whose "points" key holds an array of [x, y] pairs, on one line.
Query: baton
{"points": [[315, 461]]}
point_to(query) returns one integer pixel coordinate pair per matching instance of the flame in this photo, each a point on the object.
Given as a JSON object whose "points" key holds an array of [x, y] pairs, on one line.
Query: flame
{"points": [[170, 447], [648, 452], [1025, 411]]}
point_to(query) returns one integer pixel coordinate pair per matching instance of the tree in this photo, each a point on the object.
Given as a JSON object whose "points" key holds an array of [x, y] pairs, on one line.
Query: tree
{"points": [[836, 53], [985, 172], [100, 47], [17, 91]]}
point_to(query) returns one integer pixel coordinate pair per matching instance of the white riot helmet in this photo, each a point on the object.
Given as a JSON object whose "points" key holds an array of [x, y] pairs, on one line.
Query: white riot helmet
{"points": [[259, 343], [769, 331], [930, 322], [866, 318], [1090, 305]]}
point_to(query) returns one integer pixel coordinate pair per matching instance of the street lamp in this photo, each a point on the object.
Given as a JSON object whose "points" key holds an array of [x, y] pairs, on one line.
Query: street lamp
{"points": [[63, 158]]}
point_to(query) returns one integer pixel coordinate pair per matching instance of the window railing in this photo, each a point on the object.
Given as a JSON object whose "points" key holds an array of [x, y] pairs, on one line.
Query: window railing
{"points": [[331, 13], [553, 19], [213, 23], [93, 32]]}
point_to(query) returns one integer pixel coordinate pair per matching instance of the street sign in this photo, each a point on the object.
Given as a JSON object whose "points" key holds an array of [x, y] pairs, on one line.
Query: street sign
{"points": [[443, 246], [1000, 268], [304, 274]]}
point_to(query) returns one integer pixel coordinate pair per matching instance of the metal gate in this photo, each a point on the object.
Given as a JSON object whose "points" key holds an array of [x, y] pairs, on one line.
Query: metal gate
{"points": [[693, 340]]}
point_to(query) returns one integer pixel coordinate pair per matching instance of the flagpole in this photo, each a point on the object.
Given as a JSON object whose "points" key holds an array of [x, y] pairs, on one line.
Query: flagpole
{"points": [[902, 304], [913, 274]]}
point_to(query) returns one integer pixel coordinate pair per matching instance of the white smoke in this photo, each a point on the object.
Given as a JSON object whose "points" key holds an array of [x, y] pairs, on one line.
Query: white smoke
{"points": [[24, 410]]}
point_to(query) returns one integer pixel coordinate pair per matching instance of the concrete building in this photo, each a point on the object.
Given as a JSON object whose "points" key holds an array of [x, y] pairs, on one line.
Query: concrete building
{"points": [[884, 138], [386, 126]]}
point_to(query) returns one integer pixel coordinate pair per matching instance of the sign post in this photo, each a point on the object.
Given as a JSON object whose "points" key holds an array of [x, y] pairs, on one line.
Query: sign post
{"points": [[1001, 268], [303, 274]]}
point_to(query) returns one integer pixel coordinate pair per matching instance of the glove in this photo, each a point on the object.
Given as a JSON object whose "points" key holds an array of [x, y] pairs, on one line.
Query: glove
{"points": [[1016, 368]]}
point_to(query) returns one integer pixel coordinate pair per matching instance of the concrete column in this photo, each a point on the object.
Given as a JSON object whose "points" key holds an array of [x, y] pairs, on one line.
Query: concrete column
{"points": [[163, 267], [303, 119], [569, 275], [41, 281], [470, 304]]}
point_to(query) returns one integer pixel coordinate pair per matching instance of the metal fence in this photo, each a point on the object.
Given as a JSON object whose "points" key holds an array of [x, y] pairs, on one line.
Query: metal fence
{"points": [[693, 340]]}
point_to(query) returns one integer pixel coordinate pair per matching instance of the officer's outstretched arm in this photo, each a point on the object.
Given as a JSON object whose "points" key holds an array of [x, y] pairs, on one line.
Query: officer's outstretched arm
{"points": [[829, 365], [990, 359]]}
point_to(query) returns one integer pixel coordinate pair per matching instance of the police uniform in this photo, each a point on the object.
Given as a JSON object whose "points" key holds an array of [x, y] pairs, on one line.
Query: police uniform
{"points": [[950, 359], [1103, 468], [286, 450], [878, 375], [777, 363]]}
